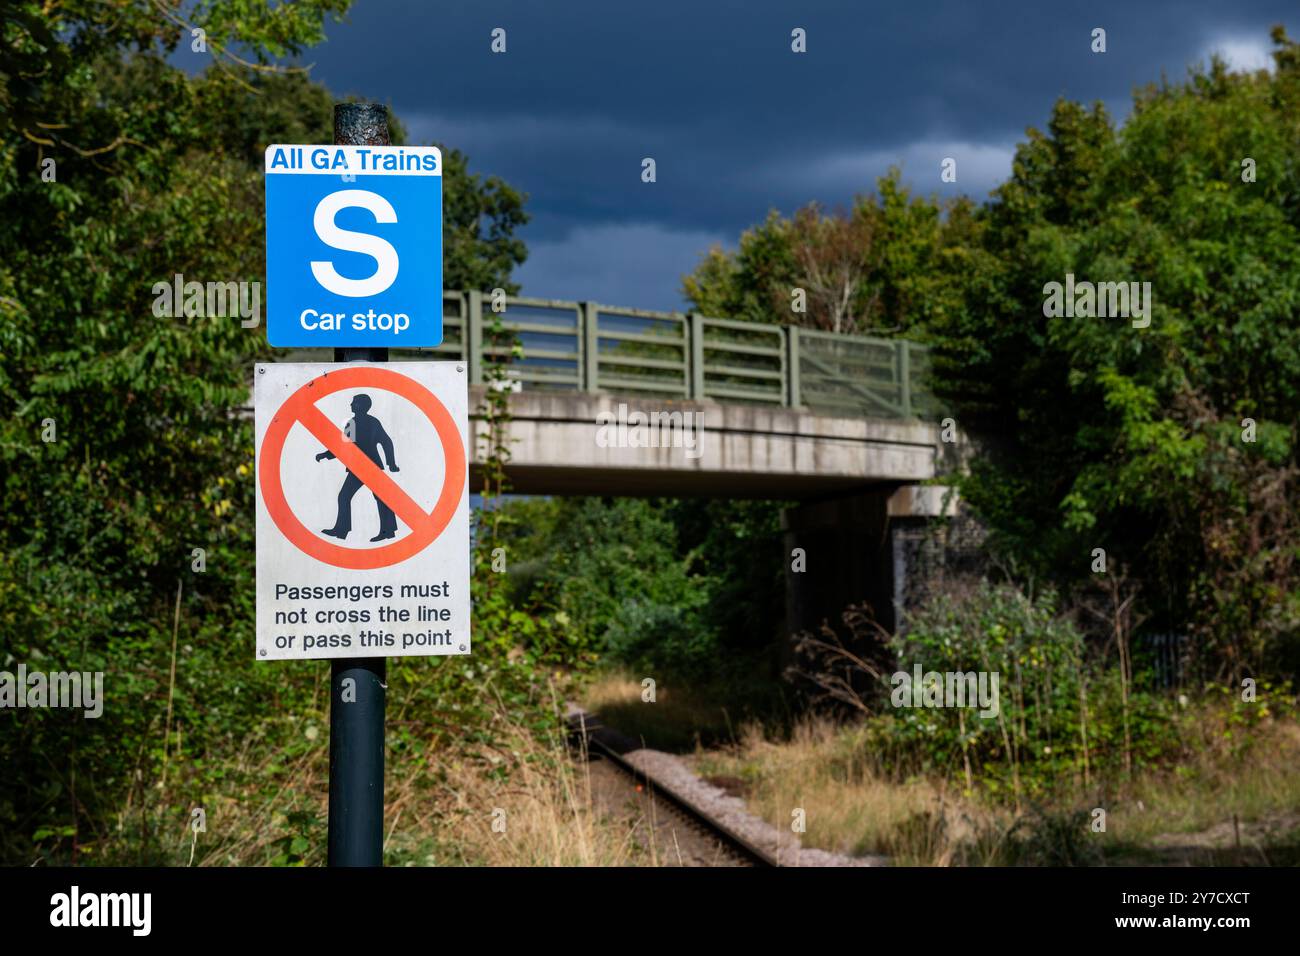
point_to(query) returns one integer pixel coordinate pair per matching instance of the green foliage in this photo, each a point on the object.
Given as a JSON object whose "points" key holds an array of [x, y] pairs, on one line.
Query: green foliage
{"points": [[1061, 725], [1038, 657], [612, 568], [157, 173], [738, 545], [504, 627], [480, 216], [687, 588], [1054, 837], [888, 264], [55, 58], [1097, 434]]}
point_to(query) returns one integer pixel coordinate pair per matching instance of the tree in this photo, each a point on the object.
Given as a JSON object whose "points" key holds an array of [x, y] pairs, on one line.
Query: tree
{"points": [[480, 216], [1099, 432], [833, 256], [885, 266], [121, 447]]}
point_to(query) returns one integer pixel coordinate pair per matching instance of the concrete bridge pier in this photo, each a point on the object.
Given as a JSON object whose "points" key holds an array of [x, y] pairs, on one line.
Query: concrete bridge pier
{"points": [[845, 545], [856, 549]]}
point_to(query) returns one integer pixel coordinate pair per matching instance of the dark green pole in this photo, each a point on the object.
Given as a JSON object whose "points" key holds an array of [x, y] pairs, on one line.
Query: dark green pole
{"points": [[358, 691]]}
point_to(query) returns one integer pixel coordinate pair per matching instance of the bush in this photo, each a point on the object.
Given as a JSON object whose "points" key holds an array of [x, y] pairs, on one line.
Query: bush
{"points": [[651, 584], [1061, 715], [650, 635]]}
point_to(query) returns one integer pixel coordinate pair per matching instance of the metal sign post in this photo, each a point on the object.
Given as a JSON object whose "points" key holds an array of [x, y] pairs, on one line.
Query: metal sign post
{"points": [[356, 811]]}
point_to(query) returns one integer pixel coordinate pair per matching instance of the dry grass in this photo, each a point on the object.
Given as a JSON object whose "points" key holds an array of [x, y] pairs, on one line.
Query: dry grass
{"points": [[521, 801], [852, 807], [680, 716], [528, 804], [442, 804], [269, 801], [1211, 788], [849, 806]]}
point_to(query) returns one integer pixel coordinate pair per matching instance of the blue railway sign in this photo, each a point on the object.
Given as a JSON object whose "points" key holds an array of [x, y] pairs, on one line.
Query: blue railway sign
{"points": [[354, 246]]}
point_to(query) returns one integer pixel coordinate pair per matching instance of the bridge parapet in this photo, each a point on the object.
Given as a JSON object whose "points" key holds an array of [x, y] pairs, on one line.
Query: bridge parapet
{"points": [[590, 347]]}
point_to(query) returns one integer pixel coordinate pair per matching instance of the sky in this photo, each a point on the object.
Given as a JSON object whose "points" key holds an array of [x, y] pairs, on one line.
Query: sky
{"points": [[736, 122]]}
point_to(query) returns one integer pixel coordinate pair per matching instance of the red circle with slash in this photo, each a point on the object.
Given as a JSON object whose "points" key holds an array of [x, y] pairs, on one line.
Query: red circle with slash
{"points": [[300, 408]]}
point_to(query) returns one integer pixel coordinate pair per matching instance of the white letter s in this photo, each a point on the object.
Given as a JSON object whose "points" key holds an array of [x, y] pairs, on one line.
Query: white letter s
{"points": [[378, 249]]}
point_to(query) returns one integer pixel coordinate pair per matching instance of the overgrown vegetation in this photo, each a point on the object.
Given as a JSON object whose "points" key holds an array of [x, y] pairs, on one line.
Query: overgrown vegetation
{"points": [[1228, 800], [157, 172], [1065, 716], [676, 588]]}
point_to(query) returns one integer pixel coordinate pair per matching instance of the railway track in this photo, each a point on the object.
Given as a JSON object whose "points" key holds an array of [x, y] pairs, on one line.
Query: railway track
{"points": [[594, 739]]}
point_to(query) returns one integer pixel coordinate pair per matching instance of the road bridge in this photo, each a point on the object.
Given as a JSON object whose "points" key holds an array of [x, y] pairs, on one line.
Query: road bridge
{"points": [[607, 400]]}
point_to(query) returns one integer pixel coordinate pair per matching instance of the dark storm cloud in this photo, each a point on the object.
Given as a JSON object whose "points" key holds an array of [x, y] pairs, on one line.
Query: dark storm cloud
{"points": [[736, 122]]}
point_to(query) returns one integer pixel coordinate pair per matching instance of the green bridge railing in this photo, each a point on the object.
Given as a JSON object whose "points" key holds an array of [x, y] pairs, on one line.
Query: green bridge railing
{"points": [[590, 347]]}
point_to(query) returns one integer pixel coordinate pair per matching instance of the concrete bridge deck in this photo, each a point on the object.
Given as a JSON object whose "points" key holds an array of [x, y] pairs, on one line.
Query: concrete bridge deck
{"points": [[738, 450]]}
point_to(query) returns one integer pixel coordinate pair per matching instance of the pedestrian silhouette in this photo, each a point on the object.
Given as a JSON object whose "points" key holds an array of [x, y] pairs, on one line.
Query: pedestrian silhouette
{"points": [[365, 431]]}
